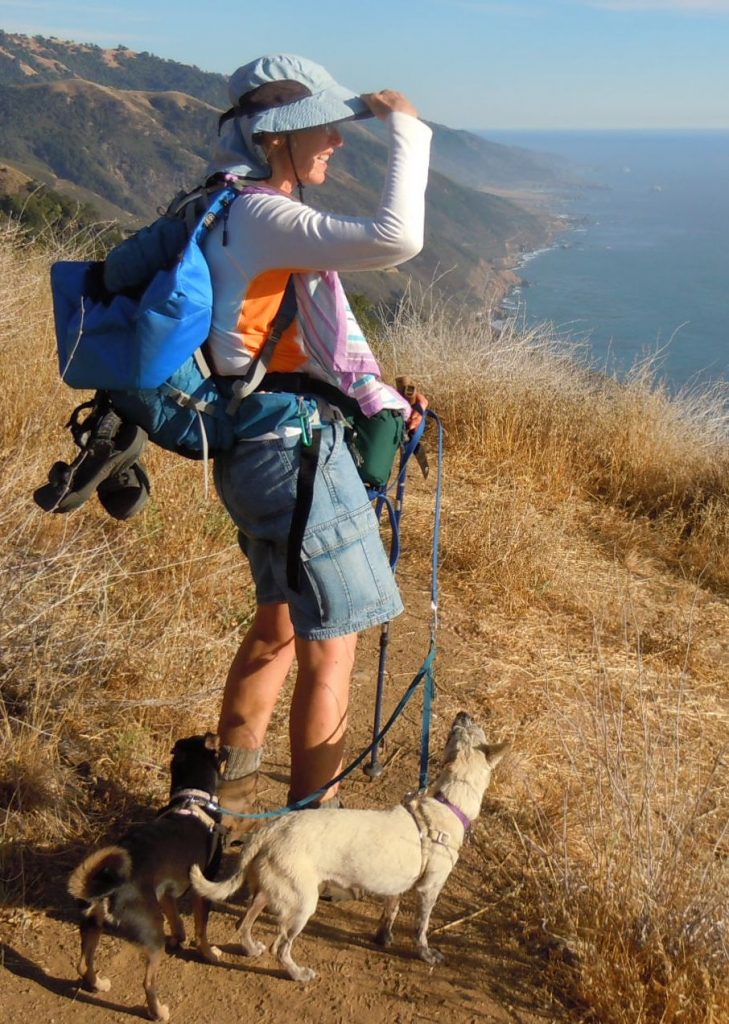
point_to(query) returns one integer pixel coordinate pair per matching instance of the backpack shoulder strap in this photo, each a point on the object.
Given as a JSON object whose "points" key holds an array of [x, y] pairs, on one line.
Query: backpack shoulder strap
{"points": [[247, 384], [130, 266], [214, 211]]}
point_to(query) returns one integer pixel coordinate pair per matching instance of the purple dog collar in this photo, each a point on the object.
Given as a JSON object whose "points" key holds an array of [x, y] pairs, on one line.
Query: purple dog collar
{"points": [[466, 822]]}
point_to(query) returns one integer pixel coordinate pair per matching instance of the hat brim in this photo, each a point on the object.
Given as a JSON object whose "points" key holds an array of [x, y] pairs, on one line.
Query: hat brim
{"points": [[330, 106]]}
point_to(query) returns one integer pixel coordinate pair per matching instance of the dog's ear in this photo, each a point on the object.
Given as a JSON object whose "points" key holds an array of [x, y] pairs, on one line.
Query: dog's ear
{"points": [[212, 742], [495, 751]]}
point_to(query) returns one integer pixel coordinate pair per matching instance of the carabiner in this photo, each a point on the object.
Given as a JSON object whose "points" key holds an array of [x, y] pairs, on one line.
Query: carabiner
{"points": [[305, 421]]}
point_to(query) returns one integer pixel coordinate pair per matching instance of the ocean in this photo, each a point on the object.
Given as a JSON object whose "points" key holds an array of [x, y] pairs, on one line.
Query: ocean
{"points": [[643, 265]]}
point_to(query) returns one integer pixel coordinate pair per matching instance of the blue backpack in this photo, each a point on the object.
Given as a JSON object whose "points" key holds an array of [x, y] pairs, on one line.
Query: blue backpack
{"points": [[133, 326]]}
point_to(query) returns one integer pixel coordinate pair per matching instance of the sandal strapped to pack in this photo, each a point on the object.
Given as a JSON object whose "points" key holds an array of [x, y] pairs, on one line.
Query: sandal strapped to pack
{"points": [[126, 493], [108, 446]]}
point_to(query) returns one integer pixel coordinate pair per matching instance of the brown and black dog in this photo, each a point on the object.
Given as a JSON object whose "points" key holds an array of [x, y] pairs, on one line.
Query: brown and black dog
{"points": [[133, 886]]}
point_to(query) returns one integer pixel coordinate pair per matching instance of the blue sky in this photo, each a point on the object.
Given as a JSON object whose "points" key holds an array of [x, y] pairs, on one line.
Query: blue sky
{"points": [[465, 63]]}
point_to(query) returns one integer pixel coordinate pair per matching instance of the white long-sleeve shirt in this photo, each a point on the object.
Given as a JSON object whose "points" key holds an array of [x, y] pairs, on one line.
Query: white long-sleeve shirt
{"points": [[271, 235]]}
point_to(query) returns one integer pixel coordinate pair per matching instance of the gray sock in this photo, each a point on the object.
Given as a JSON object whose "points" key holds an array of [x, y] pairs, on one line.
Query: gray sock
{"points": [[240, 761]]}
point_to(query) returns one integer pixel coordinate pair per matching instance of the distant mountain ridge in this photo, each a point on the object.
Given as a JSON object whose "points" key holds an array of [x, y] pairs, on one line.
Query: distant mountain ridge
{"points": [[24, 59], [128, 130]]}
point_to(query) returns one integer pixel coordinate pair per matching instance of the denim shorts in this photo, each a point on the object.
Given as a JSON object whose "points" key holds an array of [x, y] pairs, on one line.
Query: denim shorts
{"points": [[346, 581]]}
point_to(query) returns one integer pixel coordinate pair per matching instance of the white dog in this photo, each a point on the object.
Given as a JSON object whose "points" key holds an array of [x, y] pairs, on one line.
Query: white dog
{"points": [[386, 853]]}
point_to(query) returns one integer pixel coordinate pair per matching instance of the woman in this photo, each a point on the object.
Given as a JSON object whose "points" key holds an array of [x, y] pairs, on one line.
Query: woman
{"points": [[280, 135]]}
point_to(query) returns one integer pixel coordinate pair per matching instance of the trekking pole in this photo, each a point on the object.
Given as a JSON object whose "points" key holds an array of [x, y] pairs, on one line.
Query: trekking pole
{"points": [[375, 768]]}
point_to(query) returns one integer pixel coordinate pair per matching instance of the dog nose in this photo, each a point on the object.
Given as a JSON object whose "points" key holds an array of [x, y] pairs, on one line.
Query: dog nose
{"points": [[463, 719]]}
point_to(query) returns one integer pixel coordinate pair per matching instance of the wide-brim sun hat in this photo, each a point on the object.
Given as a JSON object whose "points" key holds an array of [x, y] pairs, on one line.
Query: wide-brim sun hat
{"points": [[279, 93], [285, 93]]}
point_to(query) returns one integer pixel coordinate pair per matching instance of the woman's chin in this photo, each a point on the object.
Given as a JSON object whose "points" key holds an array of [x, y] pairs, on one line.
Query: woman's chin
{"points": [[318, 176]]}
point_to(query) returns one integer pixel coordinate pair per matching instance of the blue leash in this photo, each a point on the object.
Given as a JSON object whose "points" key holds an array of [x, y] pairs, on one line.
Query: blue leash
{"points": [[425, 674], [429, 688]]}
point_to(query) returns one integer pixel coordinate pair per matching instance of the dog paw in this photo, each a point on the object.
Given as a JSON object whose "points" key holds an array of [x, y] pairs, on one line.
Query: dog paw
{"points": [[431, 956], [211, 953], [163, 1013], [302, 973], [253, 948], [384, 937], [100, 984]]}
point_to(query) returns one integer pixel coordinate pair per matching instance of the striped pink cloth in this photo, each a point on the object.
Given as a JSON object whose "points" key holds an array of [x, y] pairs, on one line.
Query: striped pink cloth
{"points": [[336, 345]]}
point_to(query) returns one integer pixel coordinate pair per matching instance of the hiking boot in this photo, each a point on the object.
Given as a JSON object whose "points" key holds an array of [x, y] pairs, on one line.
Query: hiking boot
{"points": [[330, 892], [332, 804], [237, 791]]}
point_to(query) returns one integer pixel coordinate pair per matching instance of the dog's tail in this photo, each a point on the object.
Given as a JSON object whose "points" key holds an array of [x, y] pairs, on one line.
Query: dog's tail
{"points": [[222, 890], [100, 874]]}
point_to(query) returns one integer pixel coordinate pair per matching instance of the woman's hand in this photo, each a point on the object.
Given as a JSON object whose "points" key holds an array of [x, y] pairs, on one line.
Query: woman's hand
{"points": [[419, 402], [408, 389], [387, 102]]}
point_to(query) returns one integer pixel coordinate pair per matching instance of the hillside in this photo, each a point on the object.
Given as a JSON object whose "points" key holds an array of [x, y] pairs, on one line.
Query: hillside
{"points": [[131, 148], [126, 131], [462, 156], [478, 163]]}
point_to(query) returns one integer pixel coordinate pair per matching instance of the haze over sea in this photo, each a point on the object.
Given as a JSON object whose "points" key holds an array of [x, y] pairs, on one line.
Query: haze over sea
{"points": [[644, 266]]}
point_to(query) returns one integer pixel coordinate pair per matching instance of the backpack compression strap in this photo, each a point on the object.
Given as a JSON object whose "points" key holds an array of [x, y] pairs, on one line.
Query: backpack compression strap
{"points": [[308, 465]]}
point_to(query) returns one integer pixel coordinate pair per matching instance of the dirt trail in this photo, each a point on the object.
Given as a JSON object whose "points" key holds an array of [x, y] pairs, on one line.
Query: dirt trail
{"points": [[485, 978]]}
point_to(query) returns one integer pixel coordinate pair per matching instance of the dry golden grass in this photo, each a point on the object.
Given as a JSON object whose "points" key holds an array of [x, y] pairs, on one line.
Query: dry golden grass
{"points": [[533, 429], [584, 576], [585, 539]]}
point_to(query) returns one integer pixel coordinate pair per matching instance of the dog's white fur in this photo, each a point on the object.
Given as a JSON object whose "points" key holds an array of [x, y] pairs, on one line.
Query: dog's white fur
{"points": [[385, 853]]}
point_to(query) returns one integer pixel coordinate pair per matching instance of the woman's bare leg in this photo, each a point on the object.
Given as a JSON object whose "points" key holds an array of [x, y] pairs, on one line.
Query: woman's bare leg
{"points": [[318, 718], [256, 677]]}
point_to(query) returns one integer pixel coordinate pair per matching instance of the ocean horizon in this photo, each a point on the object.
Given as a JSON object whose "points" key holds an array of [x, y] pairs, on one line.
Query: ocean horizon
{"points": [[641, 267]]}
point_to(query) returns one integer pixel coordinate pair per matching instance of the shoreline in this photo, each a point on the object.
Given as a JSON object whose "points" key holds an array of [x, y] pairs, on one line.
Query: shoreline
{"points": [[554, 209], [508, 276]]}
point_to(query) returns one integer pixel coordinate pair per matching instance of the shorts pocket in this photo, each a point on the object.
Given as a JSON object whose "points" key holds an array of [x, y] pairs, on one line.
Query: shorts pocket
{"points": [[348, 571]]}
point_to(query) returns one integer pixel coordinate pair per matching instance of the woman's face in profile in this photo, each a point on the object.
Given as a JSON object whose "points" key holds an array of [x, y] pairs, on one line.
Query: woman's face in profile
{"points": [[311, 148]]}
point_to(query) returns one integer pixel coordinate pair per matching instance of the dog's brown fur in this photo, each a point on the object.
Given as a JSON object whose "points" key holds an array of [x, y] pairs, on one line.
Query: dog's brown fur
{"points": [[134, 884], [382, 852]]}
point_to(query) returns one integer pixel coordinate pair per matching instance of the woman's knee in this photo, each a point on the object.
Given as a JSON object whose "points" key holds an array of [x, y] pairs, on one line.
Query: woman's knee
{"points": [[332, 655], [272, 624]]}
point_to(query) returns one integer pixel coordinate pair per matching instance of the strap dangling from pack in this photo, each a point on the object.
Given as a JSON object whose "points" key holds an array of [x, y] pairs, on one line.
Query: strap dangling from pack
{"points": [[304, 498]]}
